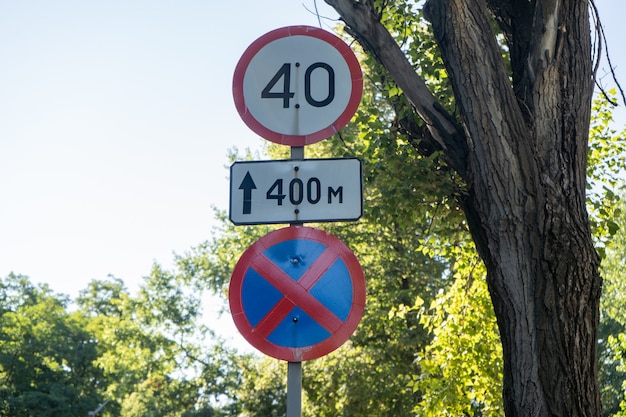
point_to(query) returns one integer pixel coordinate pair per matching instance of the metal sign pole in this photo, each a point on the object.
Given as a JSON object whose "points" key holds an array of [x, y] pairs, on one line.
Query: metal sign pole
{"points": [[294, 369], [297, 152], [294, 389]]}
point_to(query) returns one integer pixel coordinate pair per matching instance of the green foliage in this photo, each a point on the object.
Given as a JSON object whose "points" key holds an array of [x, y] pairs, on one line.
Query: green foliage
{"points": [[45, 354], [461, 369], [405, 21], [612, 348], [359, 380], [145, 355], [606, 162], [262, 392], [606, 186]]}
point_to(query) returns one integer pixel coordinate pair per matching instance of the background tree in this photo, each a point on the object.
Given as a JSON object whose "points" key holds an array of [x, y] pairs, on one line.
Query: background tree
{"points": [[46, 354], [518, 139], [157, 356], [613, 322], [144, 355], [372, 375], [606, 186], [414, 246]]}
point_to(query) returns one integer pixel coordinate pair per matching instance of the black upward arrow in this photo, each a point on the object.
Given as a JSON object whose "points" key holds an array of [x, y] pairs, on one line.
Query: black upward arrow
{"points": [[247, 185]]}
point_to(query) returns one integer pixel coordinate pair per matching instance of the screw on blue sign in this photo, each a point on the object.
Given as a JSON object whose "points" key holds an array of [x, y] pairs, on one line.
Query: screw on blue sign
{"points": [[297, 294]]}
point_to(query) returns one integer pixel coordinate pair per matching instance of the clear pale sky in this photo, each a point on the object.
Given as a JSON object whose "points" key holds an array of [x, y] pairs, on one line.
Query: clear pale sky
{"points": [[115, 120]]}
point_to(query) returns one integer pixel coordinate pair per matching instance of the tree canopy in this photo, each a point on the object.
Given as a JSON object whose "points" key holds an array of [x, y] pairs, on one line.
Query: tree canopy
{"points": [[521, 76]]}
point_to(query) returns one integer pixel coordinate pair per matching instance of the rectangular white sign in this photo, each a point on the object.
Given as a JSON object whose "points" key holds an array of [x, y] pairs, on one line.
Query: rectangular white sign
{"points": [[293, 191]]}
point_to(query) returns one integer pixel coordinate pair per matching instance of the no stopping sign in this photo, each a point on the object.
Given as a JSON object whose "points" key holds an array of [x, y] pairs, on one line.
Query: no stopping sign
{"points": [[297, 294]]}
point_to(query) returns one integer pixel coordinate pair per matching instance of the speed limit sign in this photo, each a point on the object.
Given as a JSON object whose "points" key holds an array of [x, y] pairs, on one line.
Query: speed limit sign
{"points": [[297, 85]]}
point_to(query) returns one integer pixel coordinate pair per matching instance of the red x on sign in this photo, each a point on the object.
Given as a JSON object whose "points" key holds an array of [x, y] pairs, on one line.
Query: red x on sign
{"points": [[297, 294]]}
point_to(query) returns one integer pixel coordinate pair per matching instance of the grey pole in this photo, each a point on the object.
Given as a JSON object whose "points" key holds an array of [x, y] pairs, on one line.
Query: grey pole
{"points": [[297, 152], [294, 369], [294, 389]]}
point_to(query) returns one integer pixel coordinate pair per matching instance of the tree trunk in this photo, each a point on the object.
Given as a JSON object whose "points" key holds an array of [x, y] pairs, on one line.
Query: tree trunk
{"points": [[522, 151]]}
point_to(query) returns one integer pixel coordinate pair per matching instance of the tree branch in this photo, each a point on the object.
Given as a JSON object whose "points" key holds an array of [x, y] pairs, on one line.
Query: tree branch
{"points": [[601, 39], [363, 23]]}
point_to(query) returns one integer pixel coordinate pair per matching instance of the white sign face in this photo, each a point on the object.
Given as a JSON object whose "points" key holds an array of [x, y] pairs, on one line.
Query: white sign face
{"points": [[293, 191], [297, 85]]}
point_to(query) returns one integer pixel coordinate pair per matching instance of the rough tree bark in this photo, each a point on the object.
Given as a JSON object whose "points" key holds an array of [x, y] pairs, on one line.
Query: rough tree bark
{"points": [[521, 147]]}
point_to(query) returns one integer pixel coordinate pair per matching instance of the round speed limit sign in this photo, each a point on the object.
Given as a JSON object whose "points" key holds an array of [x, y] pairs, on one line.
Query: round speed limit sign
{"points": [[297, 85]]}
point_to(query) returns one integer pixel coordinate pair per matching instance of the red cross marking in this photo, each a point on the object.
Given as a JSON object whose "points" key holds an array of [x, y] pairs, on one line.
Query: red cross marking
{"points": [[296, 293]]}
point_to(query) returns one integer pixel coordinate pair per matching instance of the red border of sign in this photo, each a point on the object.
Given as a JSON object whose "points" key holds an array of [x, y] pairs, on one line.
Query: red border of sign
{"points": [[298, 140], [342, 333]]}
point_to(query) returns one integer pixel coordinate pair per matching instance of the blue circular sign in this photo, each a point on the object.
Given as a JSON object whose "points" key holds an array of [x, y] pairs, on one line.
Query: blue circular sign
{"points": [[297, 294]]}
